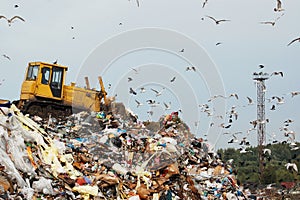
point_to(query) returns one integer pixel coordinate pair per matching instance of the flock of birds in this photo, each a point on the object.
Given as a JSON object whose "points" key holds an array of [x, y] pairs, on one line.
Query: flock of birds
{"points": [[278, 8], [156, 92], [232, 114], [150, 102], [238, 139], [242, 143], [10, 21]]}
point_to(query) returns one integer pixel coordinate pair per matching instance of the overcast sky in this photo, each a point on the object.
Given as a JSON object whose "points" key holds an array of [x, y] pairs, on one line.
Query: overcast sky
{"points": [[46, 35]]}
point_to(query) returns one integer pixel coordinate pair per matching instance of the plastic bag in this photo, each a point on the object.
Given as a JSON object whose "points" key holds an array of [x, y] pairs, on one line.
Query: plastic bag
{"points": [[27, 192], [11, 169], [43, 185], [17, 148], [119, 169], [61, 147]]}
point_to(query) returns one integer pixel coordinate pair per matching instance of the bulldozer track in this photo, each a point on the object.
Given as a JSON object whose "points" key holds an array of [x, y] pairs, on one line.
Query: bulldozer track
{"points": [[46, 108]]}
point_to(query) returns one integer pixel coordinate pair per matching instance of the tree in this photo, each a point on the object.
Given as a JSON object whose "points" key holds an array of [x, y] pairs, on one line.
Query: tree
{"points": [[269, 176]]}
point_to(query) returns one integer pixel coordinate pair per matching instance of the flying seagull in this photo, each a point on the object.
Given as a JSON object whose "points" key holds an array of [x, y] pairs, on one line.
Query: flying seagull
{"points": [[152, 103], [243, 150], [234, 95], [265, 151], [278, 8], [279, 100], [217, 21], [173, 79], [135, 70], [225, 126], [270, 186], [167, 106], [215, 96], [6, 56], [288, 121], [261, 66], [10, 21], [233, 140], [294, 148], [190, 68], [158, 93], [292, 137], [273, 107], [142, 90], [283, 129], [295, 93], [269, 22], [250, 129], [291, 166], [138, 103], [294, 40], [244, 141], [277, 73], [131, 91], [255, 122], [272, 22], [250, 101], [204, 3]]}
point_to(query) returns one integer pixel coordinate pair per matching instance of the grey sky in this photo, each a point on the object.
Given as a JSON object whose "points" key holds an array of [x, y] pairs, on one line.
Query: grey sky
{"points": [[47, 35]]}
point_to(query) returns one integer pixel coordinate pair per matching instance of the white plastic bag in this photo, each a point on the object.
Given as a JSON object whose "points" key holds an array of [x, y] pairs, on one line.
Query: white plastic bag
{"points": [[43, 185]]}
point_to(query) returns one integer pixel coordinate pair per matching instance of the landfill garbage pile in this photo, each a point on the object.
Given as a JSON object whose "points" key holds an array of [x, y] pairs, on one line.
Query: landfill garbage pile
{"points": [[108, 156]]}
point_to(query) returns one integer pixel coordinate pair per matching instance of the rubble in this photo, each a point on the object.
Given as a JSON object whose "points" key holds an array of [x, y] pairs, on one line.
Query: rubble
{"points": [[108, 156]]}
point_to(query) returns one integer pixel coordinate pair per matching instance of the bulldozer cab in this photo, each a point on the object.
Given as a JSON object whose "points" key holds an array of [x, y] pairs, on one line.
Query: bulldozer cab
{"points": [[43, 80]]}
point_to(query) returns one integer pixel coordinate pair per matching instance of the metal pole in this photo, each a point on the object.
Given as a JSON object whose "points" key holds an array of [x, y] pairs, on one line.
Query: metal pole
{"points": [[261, 122]]}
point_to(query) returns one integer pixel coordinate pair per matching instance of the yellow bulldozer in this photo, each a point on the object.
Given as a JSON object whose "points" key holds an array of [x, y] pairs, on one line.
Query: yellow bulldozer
{"points": [[44, 92]]}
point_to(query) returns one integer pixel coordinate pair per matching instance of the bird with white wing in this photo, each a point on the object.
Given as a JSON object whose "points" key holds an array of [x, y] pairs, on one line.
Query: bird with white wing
{"points": [[167, 106], [138, 103], [158, 93], [291, 166], [278, 7], [265, 151]]}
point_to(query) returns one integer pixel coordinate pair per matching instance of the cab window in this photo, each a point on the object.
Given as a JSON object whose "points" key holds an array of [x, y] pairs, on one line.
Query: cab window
{"points": [[57, 77], [45, 75], [32, 72]]}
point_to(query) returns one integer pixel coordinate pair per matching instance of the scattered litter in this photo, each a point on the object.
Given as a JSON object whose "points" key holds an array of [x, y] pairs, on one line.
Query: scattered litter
{"points": [[108, 156]]}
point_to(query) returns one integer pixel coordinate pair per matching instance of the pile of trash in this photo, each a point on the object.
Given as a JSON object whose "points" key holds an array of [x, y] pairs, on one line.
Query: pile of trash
{"points": [[108, 156]]}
